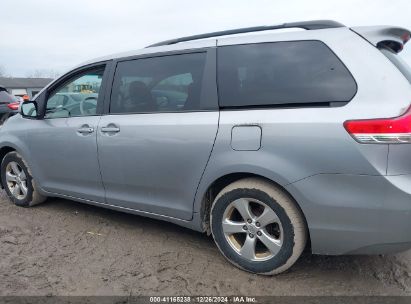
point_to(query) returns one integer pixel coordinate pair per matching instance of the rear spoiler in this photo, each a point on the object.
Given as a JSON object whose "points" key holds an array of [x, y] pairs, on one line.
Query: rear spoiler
{"points": [[390, 37]]}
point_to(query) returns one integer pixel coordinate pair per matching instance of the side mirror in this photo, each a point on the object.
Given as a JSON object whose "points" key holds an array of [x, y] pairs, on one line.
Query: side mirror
{"points": [[28, 109]]}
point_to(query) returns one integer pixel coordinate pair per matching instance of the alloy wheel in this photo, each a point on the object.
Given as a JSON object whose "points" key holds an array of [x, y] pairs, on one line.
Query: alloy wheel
{"points": [[16, 180], [252, 229]]}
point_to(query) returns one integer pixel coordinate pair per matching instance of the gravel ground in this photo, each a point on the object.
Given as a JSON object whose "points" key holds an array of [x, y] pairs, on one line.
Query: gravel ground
{"points": [[67, 248]]}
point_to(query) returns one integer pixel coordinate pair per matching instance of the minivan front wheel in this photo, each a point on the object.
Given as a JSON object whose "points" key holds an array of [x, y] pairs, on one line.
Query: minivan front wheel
{"points": [[257, 226], [18, 182]]}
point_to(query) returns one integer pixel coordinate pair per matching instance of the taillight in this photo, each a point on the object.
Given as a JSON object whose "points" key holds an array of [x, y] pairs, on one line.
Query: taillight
{"points": [[395, 130], [13, 105]]}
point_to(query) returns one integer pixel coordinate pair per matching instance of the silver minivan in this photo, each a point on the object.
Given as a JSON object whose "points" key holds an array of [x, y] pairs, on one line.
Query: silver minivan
{"points": [[273, 142]]}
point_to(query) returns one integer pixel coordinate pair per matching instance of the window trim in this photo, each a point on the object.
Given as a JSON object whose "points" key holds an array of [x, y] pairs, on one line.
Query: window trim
{"points": [[63, 80], [208, 86], [288, 105]]}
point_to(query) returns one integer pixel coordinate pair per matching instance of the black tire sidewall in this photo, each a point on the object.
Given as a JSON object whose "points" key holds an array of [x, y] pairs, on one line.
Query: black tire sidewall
{"points": [[3, 118], [267, 266], [13, 156]]}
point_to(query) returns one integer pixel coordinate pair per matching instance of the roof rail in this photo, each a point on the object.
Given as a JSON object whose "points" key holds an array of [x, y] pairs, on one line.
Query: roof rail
{"points": [[308, 25]]}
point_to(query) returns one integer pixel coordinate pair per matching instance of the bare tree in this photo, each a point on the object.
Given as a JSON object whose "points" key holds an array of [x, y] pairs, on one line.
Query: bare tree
{"points": [[2, 71], [43, 73]]}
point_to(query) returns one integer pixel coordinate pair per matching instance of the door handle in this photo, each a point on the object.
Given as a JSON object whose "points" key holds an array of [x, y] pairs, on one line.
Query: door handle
{"points": [[85, 130], [110, 129]]}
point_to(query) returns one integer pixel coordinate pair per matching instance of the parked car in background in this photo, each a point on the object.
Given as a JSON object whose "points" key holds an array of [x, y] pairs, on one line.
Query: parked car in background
{"points": [[290, 140], [9, 105]]}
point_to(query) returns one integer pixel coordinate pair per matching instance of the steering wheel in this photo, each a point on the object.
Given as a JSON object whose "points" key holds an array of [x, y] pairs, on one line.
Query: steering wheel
{"points": [[83, 110]]}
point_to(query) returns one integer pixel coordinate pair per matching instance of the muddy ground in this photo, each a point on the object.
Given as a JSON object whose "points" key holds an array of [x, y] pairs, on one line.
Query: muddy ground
{"points": [[67, 248]]}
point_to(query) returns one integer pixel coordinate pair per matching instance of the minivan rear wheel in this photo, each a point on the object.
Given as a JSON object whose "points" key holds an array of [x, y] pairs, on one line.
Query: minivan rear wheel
{"points": [[258, 227], [18, 182]]}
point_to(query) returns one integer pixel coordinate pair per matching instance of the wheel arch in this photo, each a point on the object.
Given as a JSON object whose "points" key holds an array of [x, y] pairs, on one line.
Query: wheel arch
{"points": [[3, 152], [10, 144], [221, 182]]}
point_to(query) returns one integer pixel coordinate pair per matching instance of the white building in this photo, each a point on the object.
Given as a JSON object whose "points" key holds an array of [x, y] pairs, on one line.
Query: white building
{"points": [[24, 86]]}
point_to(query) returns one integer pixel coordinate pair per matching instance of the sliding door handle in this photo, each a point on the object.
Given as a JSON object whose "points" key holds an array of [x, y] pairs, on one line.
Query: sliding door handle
{"points": [[110, 129], [85, 130]]}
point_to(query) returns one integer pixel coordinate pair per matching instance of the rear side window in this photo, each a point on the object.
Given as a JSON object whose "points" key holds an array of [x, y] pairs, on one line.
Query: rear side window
{"points": [[305, 73], [160, 84]]}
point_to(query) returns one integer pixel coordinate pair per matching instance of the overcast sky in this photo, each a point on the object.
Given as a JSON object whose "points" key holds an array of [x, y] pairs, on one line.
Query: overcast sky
{"points": [[56, 35]]}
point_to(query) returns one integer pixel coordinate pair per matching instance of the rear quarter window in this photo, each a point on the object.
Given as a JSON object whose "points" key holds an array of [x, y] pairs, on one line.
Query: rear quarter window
{"points": [[296, 73]]}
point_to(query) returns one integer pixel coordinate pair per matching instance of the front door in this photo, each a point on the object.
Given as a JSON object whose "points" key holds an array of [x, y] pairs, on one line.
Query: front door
{"points": [[155, 143], [63, 144]]}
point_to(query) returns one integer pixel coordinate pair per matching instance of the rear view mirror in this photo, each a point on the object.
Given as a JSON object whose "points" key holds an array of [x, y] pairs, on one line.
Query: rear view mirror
{"points": [[28, 109]]}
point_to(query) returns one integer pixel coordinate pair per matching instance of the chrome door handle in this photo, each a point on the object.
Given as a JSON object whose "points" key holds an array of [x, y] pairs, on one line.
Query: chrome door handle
{"points": [[110, 129], [85, 130]]}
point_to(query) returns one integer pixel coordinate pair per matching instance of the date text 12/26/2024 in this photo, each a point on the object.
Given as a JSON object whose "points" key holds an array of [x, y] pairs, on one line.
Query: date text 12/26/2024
{"points": [[203, 299]]}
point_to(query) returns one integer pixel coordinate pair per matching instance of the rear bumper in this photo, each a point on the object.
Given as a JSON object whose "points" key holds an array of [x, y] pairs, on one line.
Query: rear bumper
{"points": [[356, 214]]}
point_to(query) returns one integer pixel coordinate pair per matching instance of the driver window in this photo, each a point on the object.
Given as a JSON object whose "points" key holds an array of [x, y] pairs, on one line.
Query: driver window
{"points": [[77, 97]]}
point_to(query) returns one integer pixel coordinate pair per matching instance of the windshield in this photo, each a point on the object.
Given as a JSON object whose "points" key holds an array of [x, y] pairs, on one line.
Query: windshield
{"points": [[399, 62]]}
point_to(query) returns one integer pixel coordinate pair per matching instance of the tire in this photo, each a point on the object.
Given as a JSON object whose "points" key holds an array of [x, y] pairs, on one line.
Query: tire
{"points": [[282, 228], [3, 118], [19, 176]]}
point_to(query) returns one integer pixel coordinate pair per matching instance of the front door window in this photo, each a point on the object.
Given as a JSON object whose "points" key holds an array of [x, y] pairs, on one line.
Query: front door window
{"points": [[77, 97]]}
